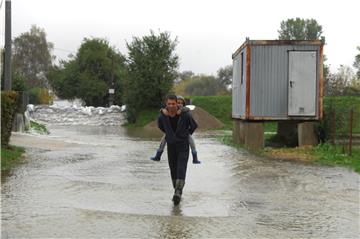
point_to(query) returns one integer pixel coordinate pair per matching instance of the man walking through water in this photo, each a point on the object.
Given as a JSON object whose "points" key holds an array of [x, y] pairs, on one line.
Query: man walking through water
{"points": [[177, 129]]}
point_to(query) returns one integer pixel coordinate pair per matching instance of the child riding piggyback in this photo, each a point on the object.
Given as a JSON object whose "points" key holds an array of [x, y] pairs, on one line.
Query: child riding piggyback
{"points": [[181, 108]]}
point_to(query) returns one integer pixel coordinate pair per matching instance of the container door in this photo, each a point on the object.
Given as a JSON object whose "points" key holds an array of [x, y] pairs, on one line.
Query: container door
{"points": [[235, 89], [302, 83]]}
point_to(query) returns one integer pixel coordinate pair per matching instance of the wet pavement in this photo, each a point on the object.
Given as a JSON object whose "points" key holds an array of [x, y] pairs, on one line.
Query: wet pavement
{"points": [[98, 182]]}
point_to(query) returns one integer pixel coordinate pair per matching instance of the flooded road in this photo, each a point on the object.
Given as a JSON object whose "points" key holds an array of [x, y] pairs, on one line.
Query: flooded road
{"points": [[98, 182]]}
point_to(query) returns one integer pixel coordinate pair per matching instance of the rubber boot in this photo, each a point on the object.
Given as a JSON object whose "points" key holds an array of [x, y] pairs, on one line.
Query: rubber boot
{"points": [[174, 183], [195, 158], [157, 156], [179, 185]]}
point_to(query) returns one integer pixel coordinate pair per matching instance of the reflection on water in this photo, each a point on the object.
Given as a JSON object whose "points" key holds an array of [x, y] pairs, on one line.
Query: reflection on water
{"points": [[104, 185]]}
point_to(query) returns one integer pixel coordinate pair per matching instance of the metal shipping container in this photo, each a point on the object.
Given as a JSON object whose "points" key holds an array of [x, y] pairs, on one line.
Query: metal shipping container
{"points": [[278, 80]]}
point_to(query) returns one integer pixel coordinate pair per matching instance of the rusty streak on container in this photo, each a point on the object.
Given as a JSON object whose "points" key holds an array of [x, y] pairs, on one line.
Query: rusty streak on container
{"points": [[248, 60], [321, 82]]}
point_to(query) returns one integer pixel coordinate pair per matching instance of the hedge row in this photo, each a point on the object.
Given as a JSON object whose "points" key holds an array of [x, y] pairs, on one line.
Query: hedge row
{"points": [[8, 110]]}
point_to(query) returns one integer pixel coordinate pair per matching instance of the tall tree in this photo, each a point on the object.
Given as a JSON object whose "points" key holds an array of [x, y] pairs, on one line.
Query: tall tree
{"points": [[205, 85], [152, 68], [185, 75], [95, 69], [32, 57], [357, 63], [340, 83], [202, 85], [300, 29], [224, 75]]}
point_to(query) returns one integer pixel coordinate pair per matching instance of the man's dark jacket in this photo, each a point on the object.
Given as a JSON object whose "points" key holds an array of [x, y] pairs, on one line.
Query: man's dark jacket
{"points": [[186, 126]]}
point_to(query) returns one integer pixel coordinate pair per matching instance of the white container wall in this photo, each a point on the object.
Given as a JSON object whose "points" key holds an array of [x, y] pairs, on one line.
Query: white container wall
{"points": [[278, 80]]}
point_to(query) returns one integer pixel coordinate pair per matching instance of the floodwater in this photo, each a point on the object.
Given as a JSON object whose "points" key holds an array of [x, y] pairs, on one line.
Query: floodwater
{"points": [[98, 182]]}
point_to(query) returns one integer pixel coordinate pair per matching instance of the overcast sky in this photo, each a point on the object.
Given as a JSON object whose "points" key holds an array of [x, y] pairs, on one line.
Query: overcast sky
{"points": [[208, 31]]}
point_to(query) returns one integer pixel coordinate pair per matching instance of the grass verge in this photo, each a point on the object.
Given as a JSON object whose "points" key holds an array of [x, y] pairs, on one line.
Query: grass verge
{"points": [[323, 154], [337, 155], [10, 156]]}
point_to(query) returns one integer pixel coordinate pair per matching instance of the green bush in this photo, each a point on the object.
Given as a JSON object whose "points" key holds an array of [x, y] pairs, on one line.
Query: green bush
{"points": [[40, 96], [145, 116], [8, 109]]}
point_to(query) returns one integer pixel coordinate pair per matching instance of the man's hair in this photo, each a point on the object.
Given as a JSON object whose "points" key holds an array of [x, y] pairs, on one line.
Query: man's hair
{"points": [[170, 97]]}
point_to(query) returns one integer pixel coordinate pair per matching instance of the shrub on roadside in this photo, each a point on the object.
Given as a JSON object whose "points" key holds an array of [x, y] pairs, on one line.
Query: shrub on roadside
{"points": [[8, 109], [40, 96]]}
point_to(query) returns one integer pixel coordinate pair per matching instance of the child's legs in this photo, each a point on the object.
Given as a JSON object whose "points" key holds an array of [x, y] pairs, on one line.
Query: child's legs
{"points": [[162, 143], [192, 144]]}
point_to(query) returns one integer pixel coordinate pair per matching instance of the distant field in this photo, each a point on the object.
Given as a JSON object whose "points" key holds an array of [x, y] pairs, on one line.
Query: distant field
{"points": [[220, 107]]}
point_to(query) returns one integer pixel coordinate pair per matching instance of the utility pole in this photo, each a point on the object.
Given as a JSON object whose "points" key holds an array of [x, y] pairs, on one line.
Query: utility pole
{"points": [[7, 60]]}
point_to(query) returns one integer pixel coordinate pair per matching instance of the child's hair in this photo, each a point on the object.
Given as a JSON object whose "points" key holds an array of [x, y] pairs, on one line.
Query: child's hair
{"points": [[179, 97]]}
